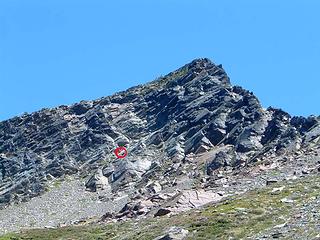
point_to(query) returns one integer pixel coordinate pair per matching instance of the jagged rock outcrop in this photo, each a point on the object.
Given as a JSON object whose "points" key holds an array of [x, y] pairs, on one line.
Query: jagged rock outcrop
{"points": [[166, 126]]}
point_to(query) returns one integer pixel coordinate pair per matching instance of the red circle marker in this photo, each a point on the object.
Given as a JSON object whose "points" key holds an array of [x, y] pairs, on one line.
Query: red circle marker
{"points": [[121, 152]]}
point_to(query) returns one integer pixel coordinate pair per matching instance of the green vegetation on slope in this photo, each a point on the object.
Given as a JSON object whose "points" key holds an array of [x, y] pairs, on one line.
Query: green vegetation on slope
{"points": [[235, 218]]}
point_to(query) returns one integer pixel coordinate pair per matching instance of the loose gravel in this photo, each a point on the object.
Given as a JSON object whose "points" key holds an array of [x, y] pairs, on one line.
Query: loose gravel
{"points": [[65, 203]]}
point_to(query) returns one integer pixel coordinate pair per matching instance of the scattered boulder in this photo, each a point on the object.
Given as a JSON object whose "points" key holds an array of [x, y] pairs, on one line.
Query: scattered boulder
{"points": [[132, 210], [174, 233], [162, 212], [98, 182]]}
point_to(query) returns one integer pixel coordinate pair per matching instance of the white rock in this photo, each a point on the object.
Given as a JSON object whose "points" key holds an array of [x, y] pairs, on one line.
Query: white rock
{"points": [[286, 200], [279, 189]]}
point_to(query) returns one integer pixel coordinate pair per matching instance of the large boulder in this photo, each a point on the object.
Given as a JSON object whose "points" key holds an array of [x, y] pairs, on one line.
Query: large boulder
{"points": [[98, 182], [225, 157]]}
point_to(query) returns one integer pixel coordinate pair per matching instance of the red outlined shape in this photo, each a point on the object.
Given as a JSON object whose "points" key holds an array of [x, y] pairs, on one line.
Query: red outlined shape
{"points": [[121, 152]]}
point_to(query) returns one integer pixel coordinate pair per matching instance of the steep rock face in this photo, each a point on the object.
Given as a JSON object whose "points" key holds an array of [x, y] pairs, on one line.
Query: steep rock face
{"points": [[164, 124]]}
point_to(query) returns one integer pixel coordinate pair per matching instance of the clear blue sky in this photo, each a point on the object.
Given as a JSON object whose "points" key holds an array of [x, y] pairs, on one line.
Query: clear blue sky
{"points": [[55, 52]]}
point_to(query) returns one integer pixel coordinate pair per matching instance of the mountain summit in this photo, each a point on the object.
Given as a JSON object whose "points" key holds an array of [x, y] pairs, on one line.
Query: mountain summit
{"points": [[190, 131]]}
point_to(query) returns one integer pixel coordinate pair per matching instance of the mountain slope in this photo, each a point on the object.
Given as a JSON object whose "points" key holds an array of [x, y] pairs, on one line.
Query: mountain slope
{"points": [[262, 214], [190, 129]]}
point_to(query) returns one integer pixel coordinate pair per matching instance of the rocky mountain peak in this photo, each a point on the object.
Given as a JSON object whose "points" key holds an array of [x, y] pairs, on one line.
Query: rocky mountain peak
{"points": [[195, 71], [199, 64], [188, 124], [205, 67], [191, 139]]}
